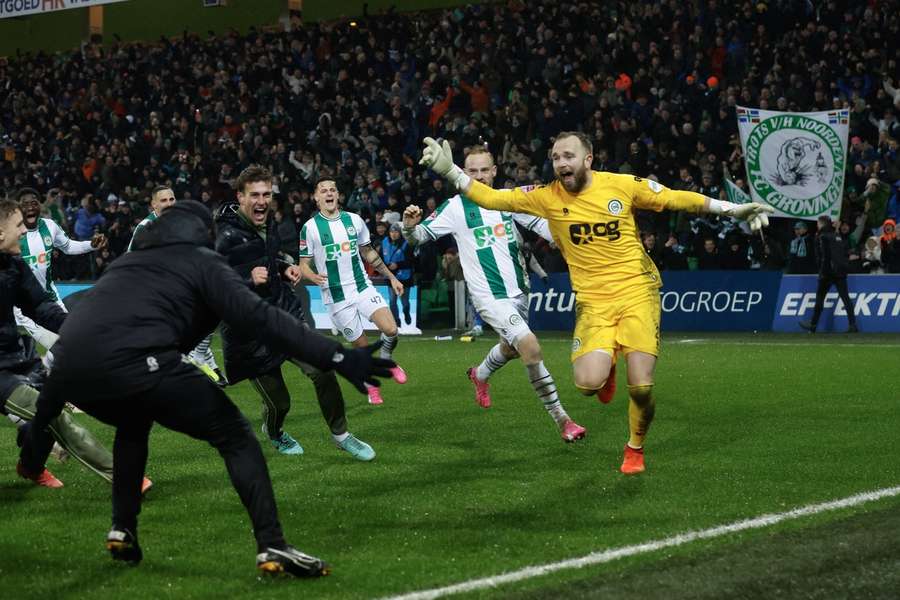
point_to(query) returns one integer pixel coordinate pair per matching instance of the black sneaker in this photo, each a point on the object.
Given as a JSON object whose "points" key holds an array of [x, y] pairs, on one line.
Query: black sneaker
{"points": [[290, 561], [123, 545], [807, 326]]}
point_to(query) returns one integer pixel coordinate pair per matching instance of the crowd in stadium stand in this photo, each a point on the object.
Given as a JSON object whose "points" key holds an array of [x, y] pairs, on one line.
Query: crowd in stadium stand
{"points": [[654, 83]]}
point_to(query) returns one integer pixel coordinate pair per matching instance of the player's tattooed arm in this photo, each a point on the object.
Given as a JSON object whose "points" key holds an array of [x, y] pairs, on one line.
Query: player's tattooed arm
{"points": [[370, 255]]}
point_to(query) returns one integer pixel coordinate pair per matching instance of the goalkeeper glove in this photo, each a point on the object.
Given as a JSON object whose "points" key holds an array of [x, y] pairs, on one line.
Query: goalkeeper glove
{"points": [[755, 214], [439, 158]]}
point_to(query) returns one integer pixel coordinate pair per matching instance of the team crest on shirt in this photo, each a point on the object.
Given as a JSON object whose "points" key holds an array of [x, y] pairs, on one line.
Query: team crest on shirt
{"points": [[47, 240], [351, 230], [615, 206]]}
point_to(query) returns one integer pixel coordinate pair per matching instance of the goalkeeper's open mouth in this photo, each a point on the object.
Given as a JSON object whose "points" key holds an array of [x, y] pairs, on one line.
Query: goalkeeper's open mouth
{"points": [[566, 177]]}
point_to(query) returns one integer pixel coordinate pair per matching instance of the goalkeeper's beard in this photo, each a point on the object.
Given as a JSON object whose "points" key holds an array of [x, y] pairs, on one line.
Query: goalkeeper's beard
{"points": [[579, 181]]}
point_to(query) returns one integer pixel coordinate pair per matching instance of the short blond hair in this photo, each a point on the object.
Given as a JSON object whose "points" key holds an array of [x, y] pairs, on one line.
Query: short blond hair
{"points": [[478, 149], [583, 138]]}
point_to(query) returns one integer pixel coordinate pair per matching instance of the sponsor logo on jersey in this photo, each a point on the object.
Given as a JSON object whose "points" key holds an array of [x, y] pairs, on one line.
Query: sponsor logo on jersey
{"points": [[586, 233], [614, 206], [334, 251], [488, 235], [36, 259]]}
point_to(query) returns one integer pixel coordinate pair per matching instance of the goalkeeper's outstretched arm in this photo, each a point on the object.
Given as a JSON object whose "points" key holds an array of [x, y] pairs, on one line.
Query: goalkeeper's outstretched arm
{"points": [[649, 194]]}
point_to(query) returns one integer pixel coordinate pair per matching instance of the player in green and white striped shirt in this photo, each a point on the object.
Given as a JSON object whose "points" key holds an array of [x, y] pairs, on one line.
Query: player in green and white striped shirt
{"points": [[161, 198], [489, 249], [337, 241]]}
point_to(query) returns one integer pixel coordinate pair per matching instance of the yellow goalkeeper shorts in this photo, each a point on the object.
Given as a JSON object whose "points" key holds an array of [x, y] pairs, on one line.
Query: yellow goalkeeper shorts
{"points": [[624, 323]]}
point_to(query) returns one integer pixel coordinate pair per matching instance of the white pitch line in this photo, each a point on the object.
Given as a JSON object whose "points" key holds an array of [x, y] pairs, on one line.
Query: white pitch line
{"points": [[596, 558]]}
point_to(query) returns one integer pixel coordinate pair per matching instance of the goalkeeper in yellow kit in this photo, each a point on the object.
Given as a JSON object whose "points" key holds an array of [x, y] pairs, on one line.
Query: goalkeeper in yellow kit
{"points": [[616, 283]]}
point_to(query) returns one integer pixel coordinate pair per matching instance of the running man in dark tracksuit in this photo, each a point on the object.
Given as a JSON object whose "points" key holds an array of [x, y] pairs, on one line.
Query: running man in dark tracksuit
{"points": [[150, 308]]}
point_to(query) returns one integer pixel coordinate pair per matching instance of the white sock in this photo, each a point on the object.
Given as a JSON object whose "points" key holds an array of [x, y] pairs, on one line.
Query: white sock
{"points": [[387, 348], [340, 438], [491, 363], [545, 388]]}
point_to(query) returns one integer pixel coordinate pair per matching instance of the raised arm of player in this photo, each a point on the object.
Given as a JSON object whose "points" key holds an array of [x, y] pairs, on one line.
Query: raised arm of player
{"points": [[67, 245], [439, 158], [438, 224], [651, 195]]}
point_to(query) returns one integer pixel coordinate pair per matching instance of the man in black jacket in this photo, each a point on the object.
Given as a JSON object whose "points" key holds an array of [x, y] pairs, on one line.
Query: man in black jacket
{"points": [[248, 237], [20, 365], [832, 258], [151, 307]]}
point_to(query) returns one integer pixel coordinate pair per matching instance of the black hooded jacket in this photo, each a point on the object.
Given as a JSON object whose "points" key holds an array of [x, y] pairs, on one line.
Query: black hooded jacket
{"points": [[245, 248], [832, 254], [157, 302], [19, 287]]}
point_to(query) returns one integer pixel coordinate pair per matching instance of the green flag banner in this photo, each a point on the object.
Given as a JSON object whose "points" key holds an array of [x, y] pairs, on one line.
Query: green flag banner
{"points": [[795, 161]]}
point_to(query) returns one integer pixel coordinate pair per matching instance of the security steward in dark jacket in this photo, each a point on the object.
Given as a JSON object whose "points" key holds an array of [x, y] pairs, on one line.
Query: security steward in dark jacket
{"points": [[248, 238], [120, 358], [833, 261]]}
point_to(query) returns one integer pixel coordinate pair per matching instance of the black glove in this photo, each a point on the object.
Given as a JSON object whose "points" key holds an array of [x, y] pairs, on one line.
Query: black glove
{"points": [[359, 366]]}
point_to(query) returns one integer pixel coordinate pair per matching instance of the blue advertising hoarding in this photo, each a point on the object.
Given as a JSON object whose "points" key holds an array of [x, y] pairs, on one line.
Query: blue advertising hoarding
{"points": [[690, 301], [875, 299]]}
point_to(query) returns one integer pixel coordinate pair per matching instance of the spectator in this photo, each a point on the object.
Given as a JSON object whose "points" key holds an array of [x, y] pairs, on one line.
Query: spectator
{"points": [[398, 257], [801, 258], [652, 250], [890, 247], [709, 258], [674, 258], [88, 220], [734, 258]]}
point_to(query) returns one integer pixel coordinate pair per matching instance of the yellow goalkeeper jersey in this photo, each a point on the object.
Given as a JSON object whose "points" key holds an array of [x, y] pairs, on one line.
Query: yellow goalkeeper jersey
{"points": [[595, 229]]}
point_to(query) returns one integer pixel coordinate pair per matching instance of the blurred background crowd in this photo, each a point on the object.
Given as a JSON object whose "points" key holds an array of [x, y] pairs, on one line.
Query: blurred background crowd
{"points": [[655, 84]]}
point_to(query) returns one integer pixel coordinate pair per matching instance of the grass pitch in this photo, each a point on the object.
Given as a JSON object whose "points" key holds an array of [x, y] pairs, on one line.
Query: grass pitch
{"points": [[745, 425]]}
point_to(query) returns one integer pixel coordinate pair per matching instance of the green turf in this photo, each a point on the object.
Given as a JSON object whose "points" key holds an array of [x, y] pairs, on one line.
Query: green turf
{"points": [[745, 425]]}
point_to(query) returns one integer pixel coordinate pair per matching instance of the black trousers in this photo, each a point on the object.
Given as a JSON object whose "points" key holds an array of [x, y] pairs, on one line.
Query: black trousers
{"points": [[186, 401], [825, 284], [277, 398]]}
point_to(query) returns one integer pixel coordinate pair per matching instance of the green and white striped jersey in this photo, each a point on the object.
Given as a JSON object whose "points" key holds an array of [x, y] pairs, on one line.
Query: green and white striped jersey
{"points": [[37, 247], [488, 243], [333, 244], [144, 222]]}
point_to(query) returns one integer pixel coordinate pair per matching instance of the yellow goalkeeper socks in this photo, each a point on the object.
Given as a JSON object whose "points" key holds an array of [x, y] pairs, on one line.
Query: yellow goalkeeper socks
{"points": [[641, 409]]}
